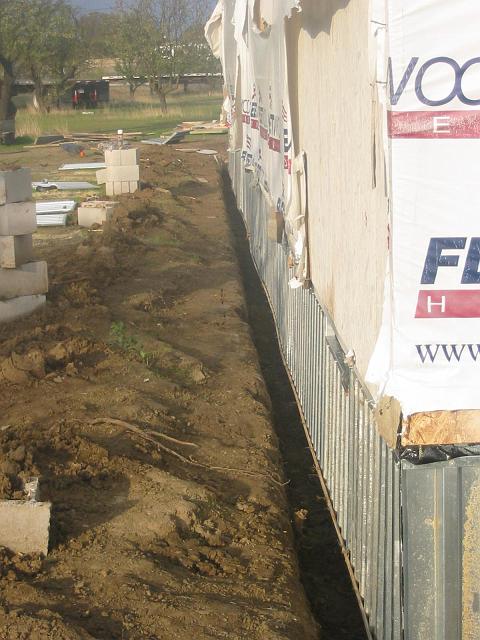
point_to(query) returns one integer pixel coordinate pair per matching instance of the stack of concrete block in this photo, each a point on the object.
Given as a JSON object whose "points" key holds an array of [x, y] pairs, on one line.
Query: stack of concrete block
{"points": [[122, 173], [23, 282], [95, 212]]}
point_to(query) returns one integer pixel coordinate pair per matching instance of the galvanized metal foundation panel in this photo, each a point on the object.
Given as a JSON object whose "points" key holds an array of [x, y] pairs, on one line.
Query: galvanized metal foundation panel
{"points": [[412, 533], [441, 506]]}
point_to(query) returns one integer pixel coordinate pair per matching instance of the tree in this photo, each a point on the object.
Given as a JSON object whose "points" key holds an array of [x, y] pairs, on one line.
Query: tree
{"points": [[131, 42], [64, 53], [50, 48], [41, 39], [96, 31], [9, 53], [157, 40], [167, 22]]}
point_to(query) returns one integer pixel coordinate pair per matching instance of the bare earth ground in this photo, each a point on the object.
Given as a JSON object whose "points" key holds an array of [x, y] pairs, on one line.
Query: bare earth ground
{"points": [[145, 338]]}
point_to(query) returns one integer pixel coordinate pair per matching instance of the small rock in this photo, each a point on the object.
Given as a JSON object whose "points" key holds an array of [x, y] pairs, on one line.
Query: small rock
{"points": [[58, 353], [18, 455], [71, 370], [10, 468], [197, 375]]}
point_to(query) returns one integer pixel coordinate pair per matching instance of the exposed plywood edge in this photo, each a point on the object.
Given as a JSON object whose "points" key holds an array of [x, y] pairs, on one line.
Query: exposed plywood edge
{"points": [[442, 428], [388, 416]]}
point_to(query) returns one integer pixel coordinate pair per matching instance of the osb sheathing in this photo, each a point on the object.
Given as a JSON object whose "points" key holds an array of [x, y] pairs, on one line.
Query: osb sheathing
{"points": [[337, 123]]}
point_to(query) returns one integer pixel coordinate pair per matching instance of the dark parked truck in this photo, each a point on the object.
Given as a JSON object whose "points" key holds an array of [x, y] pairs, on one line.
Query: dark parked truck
{"points": [[90, 94]]}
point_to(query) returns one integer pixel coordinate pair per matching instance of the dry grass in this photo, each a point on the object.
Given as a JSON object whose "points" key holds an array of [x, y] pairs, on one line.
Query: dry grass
{"points": [[130, 116]]}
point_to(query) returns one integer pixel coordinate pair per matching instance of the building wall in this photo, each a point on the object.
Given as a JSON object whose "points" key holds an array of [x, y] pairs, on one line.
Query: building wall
{"points": [[338, 121]]}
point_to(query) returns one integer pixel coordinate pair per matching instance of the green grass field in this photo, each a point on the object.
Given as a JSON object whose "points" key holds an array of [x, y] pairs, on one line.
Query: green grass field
{"points": [[144, 116]]}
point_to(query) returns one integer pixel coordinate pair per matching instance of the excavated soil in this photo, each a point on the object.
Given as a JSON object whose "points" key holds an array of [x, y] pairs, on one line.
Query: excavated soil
{"points": [[138, 399]]}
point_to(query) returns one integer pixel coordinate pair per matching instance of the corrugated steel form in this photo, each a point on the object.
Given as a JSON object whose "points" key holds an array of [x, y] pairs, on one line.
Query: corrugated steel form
{"points": [[408, 531], [55, 206]]}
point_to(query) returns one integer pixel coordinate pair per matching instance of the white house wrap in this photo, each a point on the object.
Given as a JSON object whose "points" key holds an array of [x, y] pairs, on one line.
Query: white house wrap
{"points": [[428, 355]]}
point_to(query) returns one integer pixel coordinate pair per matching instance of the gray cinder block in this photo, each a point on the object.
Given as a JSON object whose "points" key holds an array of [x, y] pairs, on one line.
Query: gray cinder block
{"points": [[15, 251], [29, 279], [15, 186], [122, 157], [122, 174], [18, 219], [17, 308]]}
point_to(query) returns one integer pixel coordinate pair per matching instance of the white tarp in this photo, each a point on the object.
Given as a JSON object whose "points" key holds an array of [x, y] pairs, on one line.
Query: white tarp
{"points": [[254, 58], [267, 131], [428, 354]]}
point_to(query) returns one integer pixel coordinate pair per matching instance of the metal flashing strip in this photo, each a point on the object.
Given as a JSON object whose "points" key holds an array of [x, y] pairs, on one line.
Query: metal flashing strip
{"points": [[55, 206], [52, 220], [83, 165], [177, 136], [47, 185]]}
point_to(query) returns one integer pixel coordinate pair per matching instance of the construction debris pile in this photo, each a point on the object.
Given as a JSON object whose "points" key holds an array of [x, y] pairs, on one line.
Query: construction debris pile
{"points": [[23, 282]]}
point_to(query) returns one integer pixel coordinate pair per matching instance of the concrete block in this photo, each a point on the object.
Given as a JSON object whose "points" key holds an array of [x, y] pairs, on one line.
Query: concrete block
{"points": [[17, 308], [28, 280], [95, 212], [133, 186], [122, 157], [25, 524], [101, 176], [117, 188], [130, 157], [18, 219], [113, 158], [15, 251], [125, 187], [15, 186], [109, 189], [122, 174]]}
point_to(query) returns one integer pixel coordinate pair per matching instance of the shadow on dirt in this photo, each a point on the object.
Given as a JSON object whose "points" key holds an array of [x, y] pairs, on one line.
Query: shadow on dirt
{"points": [[323, 571]]}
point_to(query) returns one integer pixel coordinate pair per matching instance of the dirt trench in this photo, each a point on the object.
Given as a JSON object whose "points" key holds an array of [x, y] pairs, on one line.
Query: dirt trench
{"points": [[151, 399], [322, 566], [138, 398]]}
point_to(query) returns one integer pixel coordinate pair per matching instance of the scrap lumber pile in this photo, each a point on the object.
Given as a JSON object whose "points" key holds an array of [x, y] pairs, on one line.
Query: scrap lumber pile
{"points": [[80, 138], [203, 127], [23, 282]]}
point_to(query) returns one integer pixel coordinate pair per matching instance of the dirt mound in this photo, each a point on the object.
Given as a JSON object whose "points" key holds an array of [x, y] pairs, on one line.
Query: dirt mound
{"points": [[136, 398], [44, 626]]}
